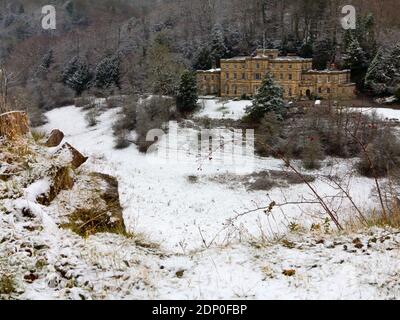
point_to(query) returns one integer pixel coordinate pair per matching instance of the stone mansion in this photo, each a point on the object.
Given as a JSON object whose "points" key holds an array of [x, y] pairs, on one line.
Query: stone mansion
{"points": [[243, 76]]}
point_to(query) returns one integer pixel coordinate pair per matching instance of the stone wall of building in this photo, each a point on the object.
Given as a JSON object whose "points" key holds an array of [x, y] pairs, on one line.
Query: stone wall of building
{"points": [[243, 76]]}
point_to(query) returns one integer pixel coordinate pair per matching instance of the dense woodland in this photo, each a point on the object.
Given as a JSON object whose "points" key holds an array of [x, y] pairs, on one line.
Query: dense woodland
{"points": [[144, 46]]}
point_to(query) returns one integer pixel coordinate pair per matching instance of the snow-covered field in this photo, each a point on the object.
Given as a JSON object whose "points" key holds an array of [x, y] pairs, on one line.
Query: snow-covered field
{"points": [[201, 255], [160, 201]]}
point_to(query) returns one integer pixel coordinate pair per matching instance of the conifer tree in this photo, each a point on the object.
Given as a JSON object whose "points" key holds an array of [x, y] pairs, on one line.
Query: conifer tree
{"points": [[218, 47], [186, 99], [108, 72], [268, 99], [77, 76]]}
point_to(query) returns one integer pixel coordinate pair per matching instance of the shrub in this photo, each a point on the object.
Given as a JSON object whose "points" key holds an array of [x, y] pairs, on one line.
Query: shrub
{"points": [[92, 116], [312, 152], [7, 284], [153, 113], [126, 122], [382, 155]]}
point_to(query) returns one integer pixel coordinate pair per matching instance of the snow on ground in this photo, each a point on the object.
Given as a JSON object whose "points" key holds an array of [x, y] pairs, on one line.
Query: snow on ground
{"points": [[201, 256], [228, 109], [161, 202], [223, 109]]}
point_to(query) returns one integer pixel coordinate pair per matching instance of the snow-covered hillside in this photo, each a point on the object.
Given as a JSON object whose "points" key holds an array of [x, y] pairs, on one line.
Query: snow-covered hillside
{"points": [[192, 241]]}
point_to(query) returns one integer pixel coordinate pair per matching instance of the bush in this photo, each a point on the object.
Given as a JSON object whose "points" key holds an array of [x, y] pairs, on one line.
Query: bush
{"points": [[92, 116], [382, 156], [142, 116], [152, 113], [312, 152], [7, 284]]}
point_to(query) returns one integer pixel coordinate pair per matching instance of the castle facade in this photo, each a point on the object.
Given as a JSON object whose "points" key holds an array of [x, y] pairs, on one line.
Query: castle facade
{"points": [[242, 76]]}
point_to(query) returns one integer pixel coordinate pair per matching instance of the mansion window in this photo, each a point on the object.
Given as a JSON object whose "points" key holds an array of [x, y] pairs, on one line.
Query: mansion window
{"points": [[290, 92], [243, 76], [212, 77], [328, 90], [227, 75], [205, 78], [281, 76], [319, 90], [257, 76], [234, 89], [290, 76], [258, 66], [290, 66], [235, 76]]}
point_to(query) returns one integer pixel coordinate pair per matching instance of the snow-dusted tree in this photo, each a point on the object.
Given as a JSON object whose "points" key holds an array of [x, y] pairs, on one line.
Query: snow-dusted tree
{"points": [[204, 60], [47, 60], [268, 99], [76, 75], [378, 74], [383, 76], [108, 72], [186, 99], [324, 52], [218, 46], [354, 58], [69, 69], [163, 70]]}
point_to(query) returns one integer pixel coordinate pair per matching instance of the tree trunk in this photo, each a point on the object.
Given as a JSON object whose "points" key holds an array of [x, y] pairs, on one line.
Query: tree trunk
{"points": [[14, 125]]}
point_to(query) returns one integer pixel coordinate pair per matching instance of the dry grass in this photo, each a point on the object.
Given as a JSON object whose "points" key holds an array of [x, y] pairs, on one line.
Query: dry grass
{"points": [[7, 284], [38, 136], [392, 219], [89, 221]]}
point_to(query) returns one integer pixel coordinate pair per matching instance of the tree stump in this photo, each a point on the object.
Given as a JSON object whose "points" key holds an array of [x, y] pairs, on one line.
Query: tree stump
{"points": [[14, 125]]}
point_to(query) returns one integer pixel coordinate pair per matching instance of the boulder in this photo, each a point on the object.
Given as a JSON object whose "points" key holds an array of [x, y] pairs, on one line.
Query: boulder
{"points": [[55, 138], [101, 211], [77, 158], [14, 125], [62, 180]]}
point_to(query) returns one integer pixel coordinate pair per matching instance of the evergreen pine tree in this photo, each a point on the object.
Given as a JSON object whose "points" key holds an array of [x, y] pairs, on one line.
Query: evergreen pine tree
{"points": [[218, 47], [354, 58], [268, 99], [324, 53], [378, 75], [77, 76], [47, 60], [69, 69], [383, 76], [186, 99], [203, 60], [108, 73]]}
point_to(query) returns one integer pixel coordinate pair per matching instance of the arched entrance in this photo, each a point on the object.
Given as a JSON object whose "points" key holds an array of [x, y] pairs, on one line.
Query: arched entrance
{"points": [[308, 93]]}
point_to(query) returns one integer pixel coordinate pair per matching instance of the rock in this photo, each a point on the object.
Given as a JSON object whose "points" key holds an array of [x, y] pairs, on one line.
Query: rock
{"points": [[77, 158], [289, 273], [55, 138], [63, 180], [101, 212], [14, 125]]}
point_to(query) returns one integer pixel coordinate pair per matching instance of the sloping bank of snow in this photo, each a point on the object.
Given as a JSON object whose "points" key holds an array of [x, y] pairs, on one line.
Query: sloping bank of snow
{"points": [[160, 201]]}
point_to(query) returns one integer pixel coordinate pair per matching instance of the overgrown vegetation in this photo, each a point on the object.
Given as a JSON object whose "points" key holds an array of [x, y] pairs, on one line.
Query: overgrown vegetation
{"points": [[7, 284], [143, 115]]}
